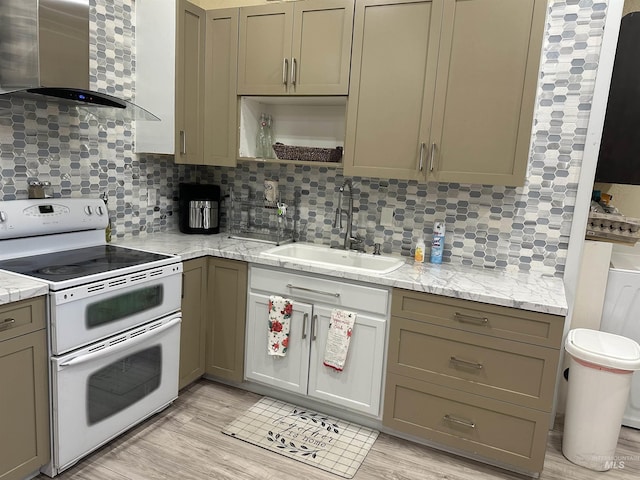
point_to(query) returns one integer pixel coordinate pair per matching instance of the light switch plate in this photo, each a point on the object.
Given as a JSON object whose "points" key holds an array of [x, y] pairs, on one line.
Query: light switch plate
{"points": [[386, 217]]}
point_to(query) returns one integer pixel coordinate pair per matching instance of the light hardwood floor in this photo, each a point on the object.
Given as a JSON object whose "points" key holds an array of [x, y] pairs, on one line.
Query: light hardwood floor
{"points": [[185, 442]]}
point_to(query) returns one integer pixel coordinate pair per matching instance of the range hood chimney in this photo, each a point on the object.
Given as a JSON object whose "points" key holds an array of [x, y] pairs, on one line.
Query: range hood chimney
{"points": [[44, 53]]}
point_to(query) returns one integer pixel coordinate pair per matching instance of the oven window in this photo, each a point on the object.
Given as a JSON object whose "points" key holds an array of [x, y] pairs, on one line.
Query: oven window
{"points": [[122, 306], [122, 383]]}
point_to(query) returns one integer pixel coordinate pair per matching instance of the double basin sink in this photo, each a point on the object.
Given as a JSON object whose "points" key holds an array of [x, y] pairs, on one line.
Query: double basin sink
{"points": [[346, 260]]}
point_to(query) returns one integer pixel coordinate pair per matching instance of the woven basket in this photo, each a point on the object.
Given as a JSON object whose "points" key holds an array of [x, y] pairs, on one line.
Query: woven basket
{"points": [[307, 154]]}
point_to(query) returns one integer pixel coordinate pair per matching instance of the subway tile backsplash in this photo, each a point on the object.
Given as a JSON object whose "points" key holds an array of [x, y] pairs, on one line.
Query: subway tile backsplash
{"points": [[525, 228]]}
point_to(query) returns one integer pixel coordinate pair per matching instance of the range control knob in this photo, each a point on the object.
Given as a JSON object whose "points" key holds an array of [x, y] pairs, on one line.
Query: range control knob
{"points": [[99, 210], [88, 210], [3, 217]]}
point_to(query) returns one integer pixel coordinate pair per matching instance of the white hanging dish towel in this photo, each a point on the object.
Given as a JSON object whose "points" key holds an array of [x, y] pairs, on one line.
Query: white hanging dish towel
{"points": [[280, 311], [338, 338]]}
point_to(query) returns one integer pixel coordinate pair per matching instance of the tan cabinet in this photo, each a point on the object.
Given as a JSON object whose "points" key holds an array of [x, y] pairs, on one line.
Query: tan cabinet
{"points": [[443, 90], [194, 321], [188, 80], [214, 297], [220, 105], [190, 46], [299, 48], [226, 304], [393, 71], [24, 416], [478, 378]]}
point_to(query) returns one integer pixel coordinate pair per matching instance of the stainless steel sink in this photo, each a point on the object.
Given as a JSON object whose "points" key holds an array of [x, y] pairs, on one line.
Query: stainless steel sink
{"points": [[321, 255]]}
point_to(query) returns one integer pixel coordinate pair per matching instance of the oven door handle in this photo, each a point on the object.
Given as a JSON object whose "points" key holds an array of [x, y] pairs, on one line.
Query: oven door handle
{"points": [[132, 342]]}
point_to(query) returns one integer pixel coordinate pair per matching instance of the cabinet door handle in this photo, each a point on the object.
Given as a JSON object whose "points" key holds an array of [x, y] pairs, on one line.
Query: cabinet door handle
{"points": [[183, 142], [462, 318], [305, 317], [459, 421], [294, 71], [7, 322], [466, 363], [319, 292], [314, 321], [421, 162], [433, 156], [285, 70]]}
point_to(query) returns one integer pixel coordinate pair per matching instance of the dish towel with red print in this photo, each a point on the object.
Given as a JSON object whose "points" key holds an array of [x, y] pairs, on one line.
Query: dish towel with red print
{"points": [[338, 338], [280, 310]]}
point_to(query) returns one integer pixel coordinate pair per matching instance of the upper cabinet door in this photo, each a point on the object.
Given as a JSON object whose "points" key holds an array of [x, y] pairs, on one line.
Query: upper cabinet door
{"points": [[265, 49], [395, 50], [299, 48], [190, 37], [485, 92], [221, 106], [321, 47]]}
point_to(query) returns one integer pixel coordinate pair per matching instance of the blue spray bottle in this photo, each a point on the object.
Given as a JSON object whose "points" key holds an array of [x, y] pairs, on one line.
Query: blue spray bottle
{"points": [[437, 244]]}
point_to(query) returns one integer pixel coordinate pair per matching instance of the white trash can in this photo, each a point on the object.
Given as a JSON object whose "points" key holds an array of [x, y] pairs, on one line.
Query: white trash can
{"points": [[601, 365]]}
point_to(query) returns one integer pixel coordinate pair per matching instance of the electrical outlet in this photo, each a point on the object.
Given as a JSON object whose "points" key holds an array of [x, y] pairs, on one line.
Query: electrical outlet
{"points": [[386, 216], [151, 196]]}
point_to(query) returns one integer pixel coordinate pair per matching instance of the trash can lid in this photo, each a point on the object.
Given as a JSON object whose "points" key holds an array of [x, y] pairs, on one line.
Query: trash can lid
{"points": [[603, 348]]}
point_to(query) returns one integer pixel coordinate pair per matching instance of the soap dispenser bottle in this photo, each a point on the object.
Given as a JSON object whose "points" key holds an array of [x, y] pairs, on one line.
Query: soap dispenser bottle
{"points": [[437, 244], [419, 252]]}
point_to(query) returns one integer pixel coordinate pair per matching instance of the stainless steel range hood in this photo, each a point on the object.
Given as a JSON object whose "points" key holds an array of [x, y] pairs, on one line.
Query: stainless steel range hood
{"points": [[44, 54]]}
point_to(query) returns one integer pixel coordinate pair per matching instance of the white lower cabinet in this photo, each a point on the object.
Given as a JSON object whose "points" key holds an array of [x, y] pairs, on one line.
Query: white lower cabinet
{"points": [[290, 372], [358, 386]]}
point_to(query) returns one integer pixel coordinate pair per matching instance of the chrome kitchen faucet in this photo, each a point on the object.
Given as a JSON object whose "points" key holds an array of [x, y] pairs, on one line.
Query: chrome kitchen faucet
{"points": [[351, 242]]}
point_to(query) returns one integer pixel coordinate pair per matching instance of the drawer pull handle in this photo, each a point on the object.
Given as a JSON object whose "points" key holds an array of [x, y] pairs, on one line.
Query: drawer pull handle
{"points": [[320, 292], [305, 317], [462, 318], [466, 363], [459, 421], [7, 322]]}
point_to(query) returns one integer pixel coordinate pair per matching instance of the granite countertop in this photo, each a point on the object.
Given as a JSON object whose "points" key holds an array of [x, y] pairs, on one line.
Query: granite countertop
{"points": [[526, 291]]}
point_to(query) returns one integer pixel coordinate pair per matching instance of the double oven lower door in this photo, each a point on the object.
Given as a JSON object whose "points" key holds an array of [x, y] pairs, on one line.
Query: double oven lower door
{"points": [[102, 390]]}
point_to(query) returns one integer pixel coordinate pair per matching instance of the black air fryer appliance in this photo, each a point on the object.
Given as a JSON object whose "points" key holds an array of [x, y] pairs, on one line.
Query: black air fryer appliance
{"points": [[199, 208]]}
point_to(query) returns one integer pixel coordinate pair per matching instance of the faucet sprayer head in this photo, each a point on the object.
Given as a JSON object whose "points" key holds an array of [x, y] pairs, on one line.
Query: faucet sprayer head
{"points": [[346, 183]]}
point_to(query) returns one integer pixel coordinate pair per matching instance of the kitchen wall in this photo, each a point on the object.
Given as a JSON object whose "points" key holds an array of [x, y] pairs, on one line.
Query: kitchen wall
{"points": [[626, 198], [524, 228]]}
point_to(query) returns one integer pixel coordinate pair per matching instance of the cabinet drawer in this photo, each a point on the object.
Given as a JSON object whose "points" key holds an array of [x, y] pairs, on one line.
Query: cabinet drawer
{"points": [[338, 293], [504, 322], [499, 431], [24, 316], [502, 369]]}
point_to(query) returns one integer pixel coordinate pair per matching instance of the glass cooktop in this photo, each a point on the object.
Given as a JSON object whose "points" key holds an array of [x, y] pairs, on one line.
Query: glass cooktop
{"points": [[80, 262]]}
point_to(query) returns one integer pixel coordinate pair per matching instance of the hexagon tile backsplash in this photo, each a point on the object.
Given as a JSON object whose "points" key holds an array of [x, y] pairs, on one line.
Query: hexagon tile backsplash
{"points": [[523, 228]]}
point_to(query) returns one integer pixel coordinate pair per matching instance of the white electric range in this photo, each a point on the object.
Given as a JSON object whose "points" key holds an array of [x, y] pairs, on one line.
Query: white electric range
{"points": [[113, 326]]}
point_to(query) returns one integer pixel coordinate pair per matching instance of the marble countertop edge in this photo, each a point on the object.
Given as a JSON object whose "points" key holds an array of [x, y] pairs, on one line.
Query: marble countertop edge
{"points": [[17, 287], [525, 291]]}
